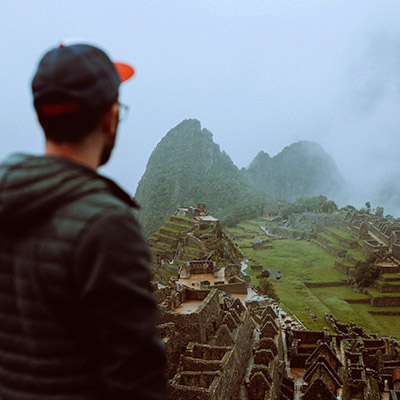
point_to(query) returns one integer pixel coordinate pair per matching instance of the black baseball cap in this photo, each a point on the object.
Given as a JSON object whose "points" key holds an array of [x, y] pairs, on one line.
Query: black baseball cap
{"points": [[75, 78]]}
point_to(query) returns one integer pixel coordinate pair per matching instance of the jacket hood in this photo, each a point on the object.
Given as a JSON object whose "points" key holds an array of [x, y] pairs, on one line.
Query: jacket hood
{"points": [[31, 187]]}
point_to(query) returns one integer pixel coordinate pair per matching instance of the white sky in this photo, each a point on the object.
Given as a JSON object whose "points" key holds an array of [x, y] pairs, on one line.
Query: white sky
{"points": [[259, 74]]}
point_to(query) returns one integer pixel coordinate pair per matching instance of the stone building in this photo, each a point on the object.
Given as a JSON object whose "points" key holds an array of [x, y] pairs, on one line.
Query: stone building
{"points": [[214, 332]]}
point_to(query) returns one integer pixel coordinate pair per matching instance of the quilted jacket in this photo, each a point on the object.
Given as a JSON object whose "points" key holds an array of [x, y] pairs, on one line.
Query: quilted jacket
{"points": [[77, 316]]}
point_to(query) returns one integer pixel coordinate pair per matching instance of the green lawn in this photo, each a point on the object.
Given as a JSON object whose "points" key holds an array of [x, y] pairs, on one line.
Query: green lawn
{"points": [[355, 253], [251, 229], [298, 261], [335, 244], [302, 261], [344, 235], [389, 283], [387, 275], [376, 293]]}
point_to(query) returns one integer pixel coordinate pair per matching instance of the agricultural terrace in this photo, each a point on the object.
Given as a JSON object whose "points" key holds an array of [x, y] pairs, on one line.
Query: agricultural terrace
{"points": [[300, 262]]}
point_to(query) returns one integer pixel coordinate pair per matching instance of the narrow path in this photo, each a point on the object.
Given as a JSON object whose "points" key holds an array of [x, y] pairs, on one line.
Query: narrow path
{"points": [[271, 235]]}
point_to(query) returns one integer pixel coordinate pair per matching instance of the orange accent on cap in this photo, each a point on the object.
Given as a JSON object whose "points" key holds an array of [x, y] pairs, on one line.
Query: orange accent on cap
{"points": [[125, 71]]}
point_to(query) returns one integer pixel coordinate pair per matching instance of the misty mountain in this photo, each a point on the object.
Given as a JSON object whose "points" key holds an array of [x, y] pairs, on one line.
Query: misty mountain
{"points": [[302, 169], [186, 168]]}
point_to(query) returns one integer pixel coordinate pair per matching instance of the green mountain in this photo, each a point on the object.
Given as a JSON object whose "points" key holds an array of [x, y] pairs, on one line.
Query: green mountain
{"points": [[186, 168], [302, 169]]}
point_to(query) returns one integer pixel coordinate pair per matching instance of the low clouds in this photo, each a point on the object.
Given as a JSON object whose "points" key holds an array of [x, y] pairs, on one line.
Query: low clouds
{"points": [[259, 74], [370, 126], [376, 73]]}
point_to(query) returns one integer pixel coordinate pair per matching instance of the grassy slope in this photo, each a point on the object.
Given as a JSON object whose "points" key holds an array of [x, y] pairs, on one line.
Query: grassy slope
{"points": [[300, 261]]}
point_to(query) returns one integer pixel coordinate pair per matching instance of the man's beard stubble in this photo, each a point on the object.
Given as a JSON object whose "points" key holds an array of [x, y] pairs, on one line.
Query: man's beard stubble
{"points": [[107, 150]]}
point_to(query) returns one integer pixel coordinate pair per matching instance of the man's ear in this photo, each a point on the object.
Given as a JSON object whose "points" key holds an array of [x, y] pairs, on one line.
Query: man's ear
{"points": [[109, 122]]}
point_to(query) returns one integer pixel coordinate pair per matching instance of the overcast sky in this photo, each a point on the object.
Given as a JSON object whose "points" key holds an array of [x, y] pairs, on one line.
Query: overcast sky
{"points": [[259, 74]]}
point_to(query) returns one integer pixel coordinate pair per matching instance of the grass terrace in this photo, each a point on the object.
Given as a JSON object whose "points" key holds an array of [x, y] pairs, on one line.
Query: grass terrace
{"points": [[301, 261], [344, 235]]}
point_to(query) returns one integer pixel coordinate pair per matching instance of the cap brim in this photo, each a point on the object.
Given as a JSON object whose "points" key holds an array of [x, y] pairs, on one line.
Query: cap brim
{"points": [[125, 71]]}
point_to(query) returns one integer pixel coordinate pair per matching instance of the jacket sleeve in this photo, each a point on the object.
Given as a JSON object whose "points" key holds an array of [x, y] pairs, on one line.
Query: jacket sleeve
{"points": [[115, 294]]}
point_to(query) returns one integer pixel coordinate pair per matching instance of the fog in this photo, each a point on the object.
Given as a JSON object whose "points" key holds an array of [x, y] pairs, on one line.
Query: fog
{"points": [[258, 74]]}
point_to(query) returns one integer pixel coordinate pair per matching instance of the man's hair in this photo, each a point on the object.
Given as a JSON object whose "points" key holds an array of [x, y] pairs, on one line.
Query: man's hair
{"points": [[72, 127]]}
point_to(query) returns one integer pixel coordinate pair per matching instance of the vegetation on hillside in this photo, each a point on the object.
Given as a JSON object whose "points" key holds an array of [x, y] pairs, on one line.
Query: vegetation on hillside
{"points": [[186, 168], [316, 204], [301, 169], [266, 288]]}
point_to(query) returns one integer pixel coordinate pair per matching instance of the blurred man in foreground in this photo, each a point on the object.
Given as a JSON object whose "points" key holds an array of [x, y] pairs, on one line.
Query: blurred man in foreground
{"points": [[78, 320]]}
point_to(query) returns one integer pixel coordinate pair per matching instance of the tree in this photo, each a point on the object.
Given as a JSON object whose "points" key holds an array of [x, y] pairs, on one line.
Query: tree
{"points": [[315, 204], [348, 208], [264, 274], [367, 272], [266, 288], [379, 212]]}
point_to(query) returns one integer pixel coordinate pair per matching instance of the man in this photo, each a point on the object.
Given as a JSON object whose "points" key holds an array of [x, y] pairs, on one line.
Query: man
{"points": [[78, 320]]}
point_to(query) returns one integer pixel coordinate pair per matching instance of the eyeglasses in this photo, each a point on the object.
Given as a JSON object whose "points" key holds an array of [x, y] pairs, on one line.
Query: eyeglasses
{"points": [[123, 112]]}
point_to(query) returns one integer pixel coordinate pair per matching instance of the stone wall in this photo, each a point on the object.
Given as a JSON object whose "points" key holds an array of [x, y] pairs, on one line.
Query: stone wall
{"points": [[179, 220], [192, 242], [316, 222], [372, 246], [205, 385], [389, 269], [337, 253], [310, 337], [179, 226], [349, 244], [324, 284], [288, 233], [323, 240], [396, 251], [351, 259], [198, 325], [172, 241], [233, 288], [384, 301], [202, 267], [343, 242], [169, 232], [387, 287], [262, 246], [206, 358], [231, 270], [213, 372], [162, 294], [357, 301], [346, 269]]}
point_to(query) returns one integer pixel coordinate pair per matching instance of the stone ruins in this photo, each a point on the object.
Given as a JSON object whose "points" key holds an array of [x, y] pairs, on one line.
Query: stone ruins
{"points": [[226, 342]]}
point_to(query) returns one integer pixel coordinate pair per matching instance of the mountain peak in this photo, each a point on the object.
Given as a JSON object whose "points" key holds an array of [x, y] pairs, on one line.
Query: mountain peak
{"points": [[187, 165], [301, 169]]}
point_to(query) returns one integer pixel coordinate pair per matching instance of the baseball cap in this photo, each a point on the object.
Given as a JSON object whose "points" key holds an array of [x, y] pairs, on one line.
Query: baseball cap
{"points": [[76, 78]]}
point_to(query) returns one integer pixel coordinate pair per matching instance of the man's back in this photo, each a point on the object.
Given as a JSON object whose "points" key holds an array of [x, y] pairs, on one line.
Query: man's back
{"points": [[77, 313]]}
